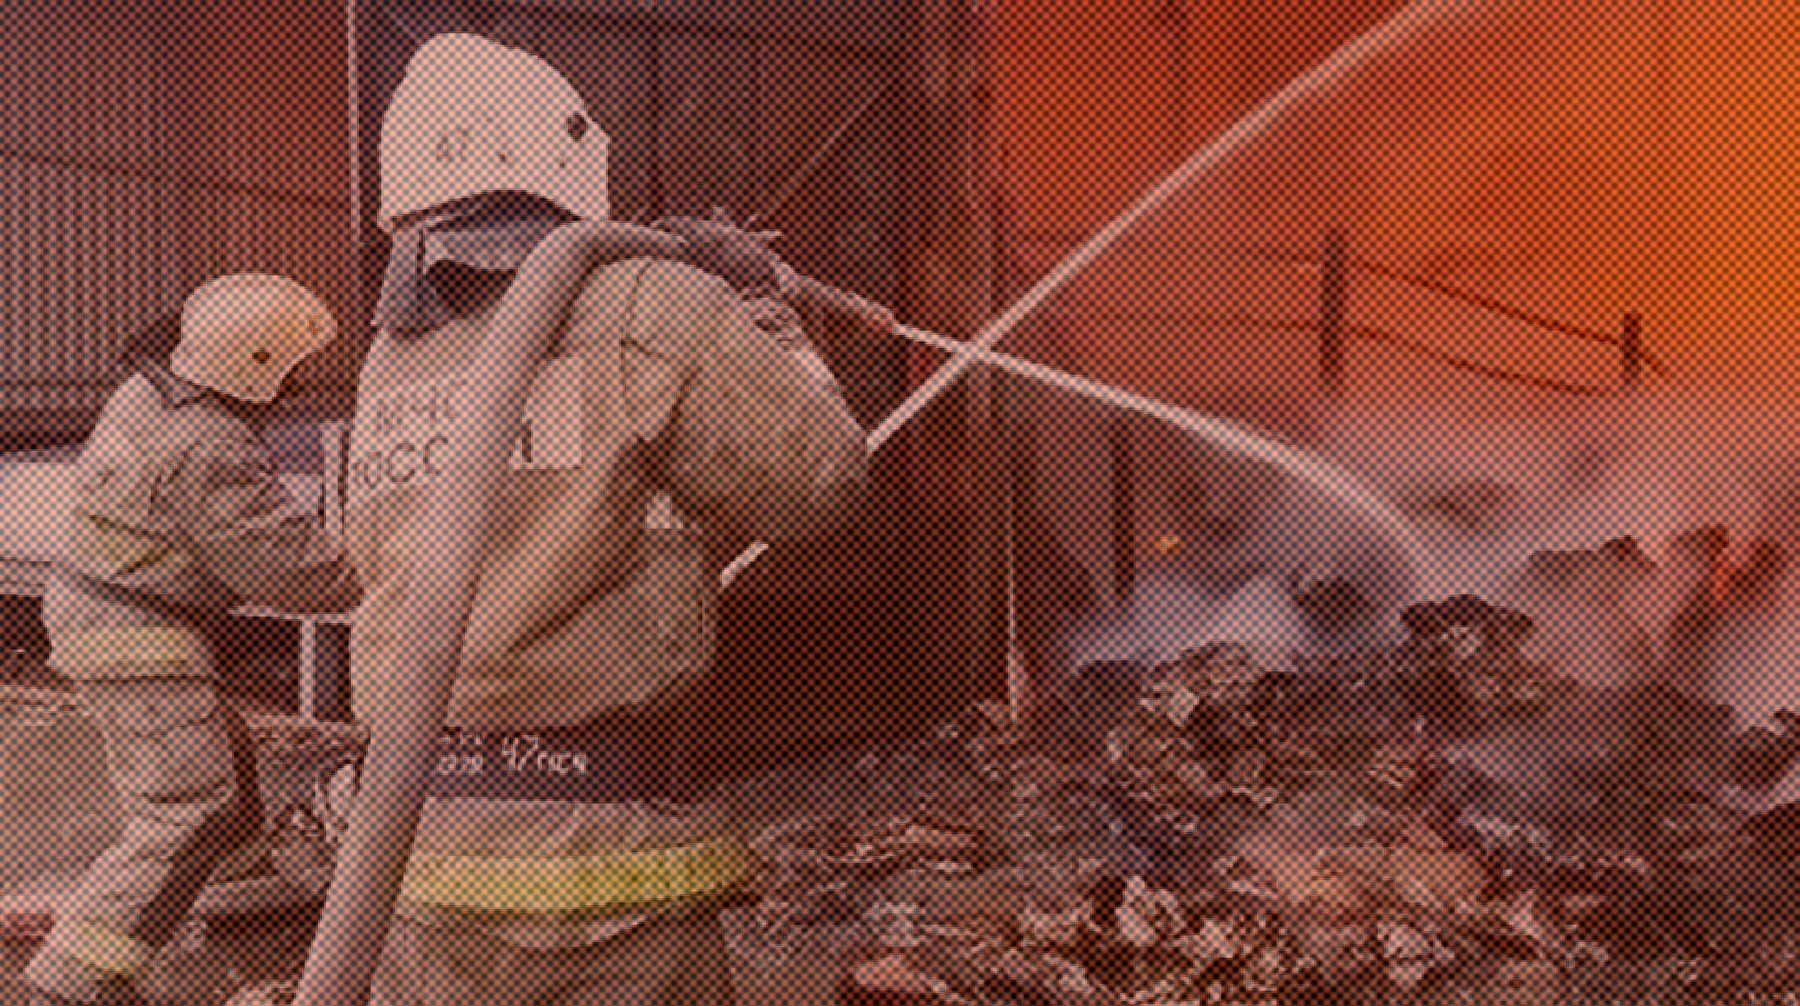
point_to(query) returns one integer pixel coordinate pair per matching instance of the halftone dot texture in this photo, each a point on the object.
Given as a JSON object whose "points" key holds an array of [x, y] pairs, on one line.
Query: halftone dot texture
{"points": [[1523, 274]]}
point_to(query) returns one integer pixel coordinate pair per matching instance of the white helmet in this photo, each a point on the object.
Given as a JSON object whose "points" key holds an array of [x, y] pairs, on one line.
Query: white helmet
{"points": [[474, 116], [241, 335]]}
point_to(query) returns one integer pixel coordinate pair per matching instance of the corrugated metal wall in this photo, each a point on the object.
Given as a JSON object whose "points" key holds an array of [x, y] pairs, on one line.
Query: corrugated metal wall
{"points": [[145, 147], [63, 322], [86, 140]]}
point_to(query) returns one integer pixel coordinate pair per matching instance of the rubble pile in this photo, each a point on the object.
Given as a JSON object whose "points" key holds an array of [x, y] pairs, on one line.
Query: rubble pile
{"points": [[1443, 821], [1238, 826]]}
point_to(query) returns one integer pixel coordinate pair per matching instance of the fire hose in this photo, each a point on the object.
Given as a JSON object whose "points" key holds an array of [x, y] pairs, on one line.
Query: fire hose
{"points": [[352, 928]]}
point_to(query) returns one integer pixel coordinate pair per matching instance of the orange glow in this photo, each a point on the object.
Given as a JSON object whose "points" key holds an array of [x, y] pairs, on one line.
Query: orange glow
{"points": [[1581, 159]]}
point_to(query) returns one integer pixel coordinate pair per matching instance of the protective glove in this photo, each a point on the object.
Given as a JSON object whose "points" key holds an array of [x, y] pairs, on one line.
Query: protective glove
{"points": [[740, 257]]}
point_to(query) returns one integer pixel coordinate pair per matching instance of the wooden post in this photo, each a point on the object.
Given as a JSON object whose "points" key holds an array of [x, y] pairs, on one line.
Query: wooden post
{"points": [[1334, 297], [1631, 352], [953, 285]]}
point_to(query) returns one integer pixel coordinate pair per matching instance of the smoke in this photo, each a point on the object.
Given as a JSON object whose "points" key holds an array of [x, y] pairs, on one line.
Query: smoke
{"points": [[1159, 622], [1490, 488], [1605, 520], [1755, 662], [1168, 616]]}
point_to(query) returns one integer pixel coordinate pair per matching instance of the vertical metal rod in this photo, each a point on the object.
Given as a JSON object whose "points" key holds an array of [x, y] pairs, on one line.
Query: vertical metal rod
{"points": [[1334, 293], [1631, 352]]}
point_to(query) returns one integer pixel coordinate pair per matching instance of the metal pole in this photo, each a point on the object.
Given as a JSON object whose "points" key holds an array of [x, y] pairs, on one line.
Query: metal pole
{"points": [[1631, 352], [1334, 292]]}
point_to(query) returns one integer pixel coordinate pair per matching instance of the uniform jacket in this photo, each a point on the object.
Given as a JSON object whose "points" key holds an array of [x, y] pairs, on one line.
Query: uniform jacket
{"points": [[666, 384], [178, 517]]}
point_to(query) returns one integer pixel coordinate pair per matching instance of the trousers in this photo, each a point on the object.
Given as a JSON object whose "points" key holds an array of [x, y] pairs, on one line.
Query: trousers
{"points": [[674, 957], [183, 765]]}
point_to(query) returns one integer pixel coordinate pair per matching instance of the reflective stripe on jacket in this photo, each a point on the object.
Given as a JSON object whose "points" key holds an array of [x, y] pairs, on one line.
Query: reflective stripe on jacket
{"points": [[107, 952], [127, 646], [605, 881]]}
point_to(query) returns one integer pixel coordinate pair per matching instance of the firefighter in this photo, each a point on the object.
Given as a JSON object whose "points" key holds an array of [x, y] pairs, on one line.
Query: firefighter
{"points": [[178, 518], [566, 851]]}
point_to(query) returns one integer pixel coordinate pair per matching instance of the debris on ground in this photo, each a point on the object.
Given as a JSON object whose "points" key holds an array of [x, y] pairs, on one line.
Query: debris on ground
{"points": [[1446, 820], [1247, 829]]}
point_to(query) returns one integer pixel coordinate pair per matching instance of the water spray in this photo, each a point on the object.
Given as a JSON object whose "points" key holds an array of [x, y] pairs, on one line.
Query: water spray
{"points": [[1389, 33], [1398, 28], [1307, 467]]}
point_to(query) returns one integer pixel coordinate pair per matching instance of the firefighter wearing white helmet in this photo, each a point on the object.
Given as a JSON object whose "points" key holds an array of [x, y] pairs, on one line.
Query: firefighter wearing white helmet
{"points": [[241, 335], [178, 518], [567, 851]]}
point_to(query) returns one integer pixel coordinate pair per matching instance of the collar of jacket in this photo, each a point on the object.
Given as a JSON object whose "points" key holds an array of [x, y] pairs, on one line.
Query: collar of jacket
{"points": [[175, 391], [490, 233]]}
